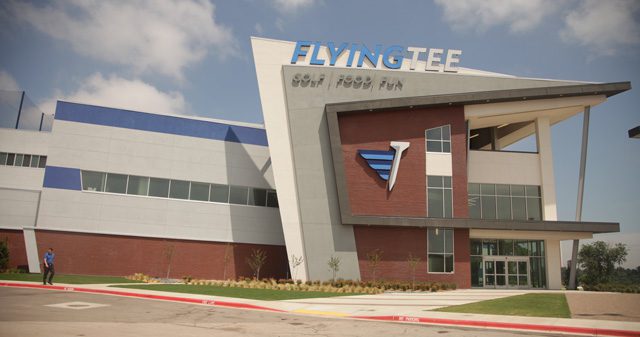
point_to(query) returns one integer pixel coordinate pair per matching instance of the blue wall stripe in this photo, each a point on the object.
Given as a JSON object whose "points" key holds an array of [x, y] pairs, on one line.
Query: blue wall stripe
{"points": [[62, 177], [119, 118]]}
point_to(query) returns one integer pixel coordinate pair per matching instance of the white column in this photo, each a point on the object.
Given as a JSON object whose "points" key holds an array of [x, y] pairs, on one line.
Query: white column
{"points": [[554, 279], [543, 137]]}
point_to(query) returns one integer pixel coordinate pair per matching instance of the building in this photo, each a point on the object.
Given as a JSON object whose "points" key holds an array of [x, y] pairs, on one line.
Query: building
{"points": [[371, 151]]}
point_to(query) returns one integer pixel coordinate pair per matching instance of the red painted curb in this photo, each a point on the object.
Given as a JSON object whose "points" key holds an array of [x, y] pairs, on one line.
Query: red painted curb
{"points": [[502, 325], [146, 296]]}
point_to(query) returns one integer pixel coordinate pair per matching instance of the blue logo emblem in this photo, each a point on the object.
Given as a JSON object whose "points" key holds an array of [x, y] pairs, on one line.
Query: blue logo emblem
{"points": [[385, 163]]}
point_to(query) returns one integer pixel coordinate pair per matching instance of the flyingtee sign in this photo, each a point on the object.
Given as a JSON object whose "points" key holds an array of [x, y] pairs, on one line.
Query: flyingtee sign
{"points": [[437, 60]]}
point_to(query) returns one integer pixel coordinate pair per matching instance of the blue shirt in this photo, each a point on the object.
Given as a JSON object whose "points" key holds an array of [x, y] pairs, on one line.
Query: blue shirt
{"points": [[48, 256]]}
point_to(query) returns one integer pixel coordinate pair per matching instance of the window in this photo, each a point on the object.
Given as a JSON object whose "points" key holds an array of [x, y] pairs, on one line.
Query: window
{"points": [[179, 189], [238, 195], [23, 160], [158, 187], [35, 159], [272, 199], [3, 158], [199, 191], [138, 185], [19, 158], [439, 139], [440, 250], [219, 193], [93, 181], [43, 162], [116, 183], [504, 202], [26, 162], [11, 157], [439, 197], [257, 197]]}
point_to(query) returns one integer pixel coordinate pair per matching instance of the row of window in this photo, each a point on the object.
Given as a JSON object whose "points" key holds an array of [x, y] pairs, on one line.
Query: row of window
{"points": [[491, 247], [438, 139], [24, 160], [177, 189], [505, 202], [440, 250], [439, 197]]}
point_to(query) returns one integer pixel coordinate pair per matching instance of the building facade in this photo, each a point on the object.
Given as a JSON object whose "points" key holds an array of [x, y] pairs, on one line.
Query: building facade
{"points": [[371, 154]]}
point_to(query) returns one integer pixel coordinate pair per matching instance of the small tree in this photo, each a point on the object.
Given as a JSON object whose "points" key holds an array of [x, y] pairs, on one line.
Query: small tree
{"points": [[295, 262], [226, 259], [413, 264], [256, 261], [4, 254], [168, 254], [334, 265], [374, 258], [598, 261]]}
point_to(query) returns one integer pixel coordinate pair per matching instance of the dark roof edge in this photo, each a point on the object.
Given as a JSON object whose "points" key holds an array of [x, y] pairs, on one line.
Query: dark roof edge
{"points": [[483, 97]]}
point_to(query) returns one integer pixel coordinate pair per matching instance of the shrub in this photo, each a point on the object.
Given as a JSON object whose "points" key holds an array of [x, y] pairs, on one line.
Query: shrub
{"points": [[4, 254]]}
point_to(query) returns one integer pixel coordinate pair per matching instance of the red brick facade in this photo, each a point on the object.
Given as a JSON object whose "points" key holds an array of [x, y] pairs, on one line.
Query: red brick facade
{"points": [[397, 242], [17, 251], [97, 254]]}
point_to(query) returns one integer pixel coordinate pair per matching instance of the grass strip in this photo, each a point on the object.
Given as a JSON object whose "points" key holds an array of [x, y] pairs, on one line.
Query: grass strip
{"points": [[533, 305]]}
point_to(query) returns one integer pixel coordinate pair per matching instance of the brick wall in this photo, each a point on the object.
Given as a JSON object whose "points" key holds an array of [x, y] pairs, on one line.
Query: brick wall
{"points": [[17, 251], [397, 242], [95, 254], [368, 193]]}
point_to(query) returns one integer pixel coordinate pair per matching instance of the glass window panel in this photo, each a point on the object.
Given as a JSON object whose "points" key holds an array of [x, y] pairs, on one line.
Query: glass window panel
{"points": [[522, 267], [179, 189], [219, 193], [435, 243], [504, 208], [489, 267], [488, 189], [473, 188], [488, 207], [435, 200], [519, 208], [34, 160], [448, 263], [257, 197], [93, 181], [11, 157], [517, 190], [490, 247], [43, 162], [19, 158], [26, 162], [533, 209], [512, 267], [3, 158], [447, 181], [513, 280], [199, 191], [434, 146], [502, 189], [533, 191], [272, 199], [476, 247], [116, 183], [500, 267], [522, 281], [446, 132], [476, 272], [138, 185], [474, 207], [505, 247], [446, 147], [522, 248], [500, 280], [238, 195], [159, 187], [490, 280], [448, 200], [436, 263], [434, 181], [434, 134], [448, 244]]}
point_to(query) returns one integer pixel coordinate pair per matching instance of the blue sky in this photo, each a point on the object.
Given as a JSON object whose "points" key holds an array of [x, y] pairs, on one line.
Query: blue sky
{"points": [[194, 57]]}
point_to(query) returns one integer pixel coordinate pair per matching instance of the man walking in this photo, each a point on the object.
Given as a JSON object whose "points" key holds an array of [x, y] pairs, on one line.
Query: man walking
{"points": [[48, 260]]}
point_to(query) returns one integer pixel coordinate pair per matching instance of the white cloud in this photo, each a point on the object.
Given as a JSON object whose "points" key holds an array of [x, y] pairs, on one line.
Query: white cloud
{"points": [[603, 26], [7, 82], [117, 92], [147, 35], [291, 6], [519, 15]]}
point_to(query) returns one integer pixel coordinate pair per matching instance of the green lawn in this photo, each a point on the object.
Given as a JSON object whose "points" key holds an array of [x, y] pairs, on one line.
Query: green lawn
{"points": [[61, 278], [256, 294], [538, 305]]}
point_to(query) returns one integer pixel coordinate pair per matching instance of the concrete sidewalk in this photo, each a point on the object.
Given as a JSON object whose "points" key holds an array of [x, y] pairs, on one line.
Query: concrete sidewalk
{"points": [[399, 307]]}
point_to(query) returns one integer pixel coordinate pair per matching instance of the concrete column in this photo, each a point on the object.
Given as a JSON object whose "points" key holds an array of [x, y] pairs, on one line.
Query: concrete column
{"points": [[554, 278], [543, 138]]}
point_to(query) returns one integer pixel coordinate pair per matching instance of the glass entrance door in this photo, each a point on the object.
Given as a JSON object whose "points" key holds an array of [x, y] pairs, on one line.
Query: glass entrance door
{"points": [[506, 272]]}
